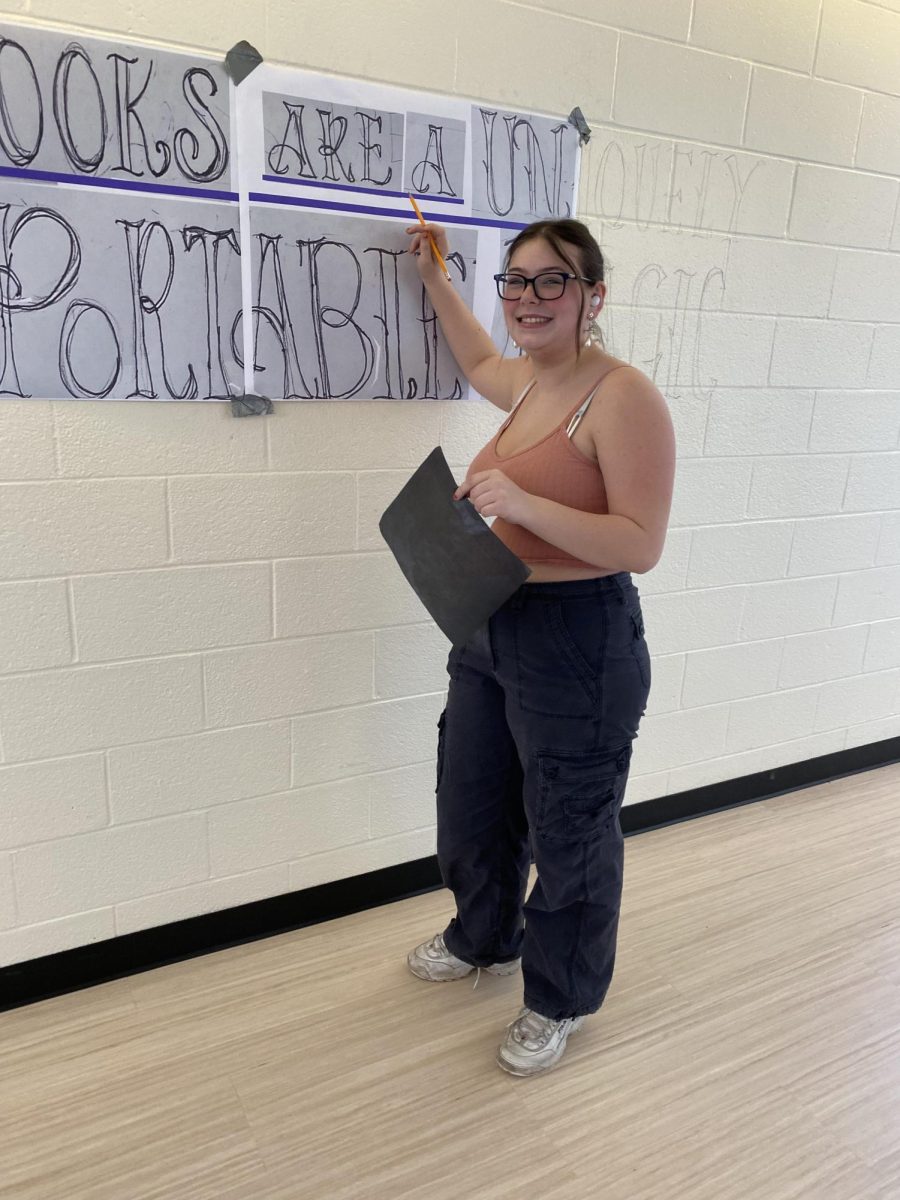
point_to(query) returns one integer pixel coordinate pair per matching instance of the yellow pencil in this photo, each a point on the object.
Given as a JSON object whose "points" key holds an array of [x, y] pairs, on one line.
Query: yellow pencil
{"points": [[437, 253]]}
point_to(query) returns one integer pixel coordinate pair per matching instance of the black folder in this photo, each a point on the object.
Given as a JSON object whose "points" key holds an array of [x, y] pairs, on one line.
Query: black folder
{"points": [[458, 568]]}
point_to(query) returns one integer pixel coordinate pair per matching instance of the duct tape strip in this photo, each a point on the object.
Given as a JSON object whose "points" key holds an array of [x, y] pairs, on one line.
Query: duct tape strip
{"points": [[240, 60], [251, 406], [576, 118]]}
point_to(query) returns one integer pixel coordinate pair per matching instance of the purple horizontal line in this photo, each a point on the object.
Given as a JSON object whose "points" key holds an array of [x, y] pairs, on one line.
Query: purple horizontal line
{"points": [[131, 185], [403, 213], [346, 187]]}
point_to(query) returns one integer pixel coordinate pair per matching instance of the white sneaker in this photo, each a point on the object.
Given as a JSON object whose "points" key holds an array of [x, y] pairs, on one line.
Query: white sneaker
{"points": [[534, 1043], [434, 962]]}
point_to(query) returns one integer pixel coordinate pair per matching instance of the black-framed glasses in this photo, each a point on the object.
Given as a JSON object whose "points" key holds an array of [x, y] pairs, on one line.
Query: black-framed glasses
{"points": [[546, 285]]}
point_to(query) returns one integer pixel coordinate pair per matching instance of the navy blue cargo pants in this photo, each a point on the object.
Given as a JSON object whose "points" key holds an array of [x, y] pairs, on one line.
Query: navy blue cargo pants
{"points": [[534, 749]]}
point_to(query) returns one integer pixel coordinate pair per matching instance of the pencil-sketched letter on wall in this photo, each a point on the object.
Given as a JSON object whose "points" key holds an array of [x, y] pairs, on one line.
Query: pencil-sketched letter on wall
{"points": [[95, 108], [314, 140], [52, 249], [96, 299], [346, 315], [199, 88], [435, 155], [523, 166], [88, 112], [21, 104]]}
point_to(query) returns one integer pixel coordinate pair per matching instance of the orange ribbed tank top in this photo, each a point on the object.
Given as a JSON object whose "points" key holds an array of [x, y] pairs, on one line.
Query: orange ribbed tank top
{"points": [[553, 468]]}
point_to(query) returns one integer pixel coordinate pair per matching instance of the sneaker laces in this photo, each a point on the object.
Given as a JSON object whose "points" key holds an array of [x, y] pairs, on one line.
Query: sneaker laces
{"points": [[532, 1030], [436, 948]]}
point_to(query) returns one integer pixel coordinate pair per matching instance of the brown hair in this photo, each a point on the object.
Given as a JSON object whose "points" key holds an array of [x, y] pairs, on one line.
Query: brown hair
{"points": [[559, 234]]}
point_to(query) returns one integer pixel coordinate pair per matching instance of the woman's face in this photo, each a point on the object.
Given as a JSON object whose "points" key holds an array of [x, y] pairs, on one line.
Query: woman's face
{"points": [[544, 325]]}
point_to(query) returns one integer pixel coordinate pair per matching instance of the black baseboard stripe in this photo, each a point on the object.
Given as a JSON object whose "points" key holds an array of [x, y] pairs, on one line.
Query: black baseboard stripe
{"points": [[86, 966], [764, 785]]}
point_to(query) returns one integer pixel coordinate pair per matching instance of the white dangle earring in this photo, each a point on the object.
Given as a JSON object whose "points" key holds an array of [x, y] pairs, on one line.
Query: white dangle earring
{"points": [[589, 340]]}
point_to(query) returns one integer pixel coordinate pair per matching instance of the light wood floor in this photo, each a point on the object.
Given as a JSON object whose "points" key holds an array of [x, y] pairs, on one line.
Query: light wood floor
{"points": [[749, 1048]]}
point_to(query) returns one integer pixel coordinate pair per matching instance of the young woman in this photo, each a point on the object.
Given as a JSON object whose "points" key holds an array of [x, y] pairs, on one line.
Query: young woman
{"points": [[544, 702]]}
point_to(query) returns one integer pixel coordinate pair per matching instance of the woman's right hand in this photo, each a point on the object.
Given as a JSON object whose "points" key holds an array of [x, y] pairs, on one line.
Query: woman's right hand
{"points": [[498, 380], [420, 246]]}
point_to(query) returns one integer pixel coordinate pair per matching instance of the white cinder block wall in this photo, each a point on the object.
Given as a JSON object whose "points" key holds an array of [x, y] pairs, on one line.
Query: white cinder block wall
{"points": [[215, 685]]}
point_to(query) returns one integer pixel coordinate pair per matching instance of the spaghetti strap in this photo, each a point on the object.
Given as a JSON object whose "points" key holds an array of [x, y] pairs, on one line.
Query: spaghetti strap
{"points": [[524, 392], [575, 419], [586, 403]]}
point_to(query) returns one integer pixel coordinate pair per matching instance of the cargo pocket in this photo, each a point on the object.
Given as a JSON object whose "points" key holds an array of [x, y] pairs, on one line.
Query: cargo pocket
{"points": [[442, 721], [639, 648], [580, 795]]}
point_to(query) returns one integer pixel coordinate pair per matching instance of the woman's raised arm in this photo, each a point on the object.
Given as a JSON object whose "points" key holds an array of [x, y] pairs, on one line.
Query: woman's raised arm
{"points": [[496, 378]]}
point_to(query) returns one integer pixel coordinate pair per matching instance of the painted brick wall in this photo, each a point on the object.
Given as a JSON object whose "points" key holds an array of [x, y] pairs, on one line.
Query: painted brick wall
{"points": [[214, 684]]}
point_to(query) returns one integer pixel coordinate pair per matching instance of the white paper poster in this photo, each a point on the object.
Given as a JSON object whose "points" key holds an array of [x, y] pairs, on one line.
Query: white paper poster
{"points": [[325, 168], [119, 221], [165, 235]]}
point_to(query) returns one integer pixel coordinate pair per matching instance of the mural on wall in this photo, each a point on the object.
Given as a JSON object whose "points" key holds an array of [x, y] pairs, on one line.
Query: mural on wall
{"points": [[165, 235]]}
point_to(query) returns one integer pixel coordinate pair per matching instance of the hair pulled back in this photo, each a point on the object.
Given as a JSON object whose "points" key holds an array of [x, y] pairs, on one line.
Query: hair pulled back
{"points": [[564, 236]]}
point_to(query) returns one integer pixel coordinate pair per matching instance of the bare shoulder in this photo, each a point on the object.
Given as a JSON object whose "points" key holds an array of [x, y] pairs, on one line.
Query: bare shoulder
{"points": [[626, 393], [625, 381], [632, 417]]}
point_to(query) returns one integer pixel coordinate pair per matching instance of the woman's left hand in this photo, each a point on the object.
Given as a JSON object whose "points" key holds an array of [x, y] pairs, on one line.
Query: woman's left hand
{"points": [[495, 495]]}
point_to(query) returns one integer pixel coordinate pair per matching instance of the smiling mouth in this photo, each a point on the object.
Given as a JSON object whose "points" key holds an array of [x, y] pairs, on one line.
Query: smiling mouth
{"points": [[533, 320]]}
